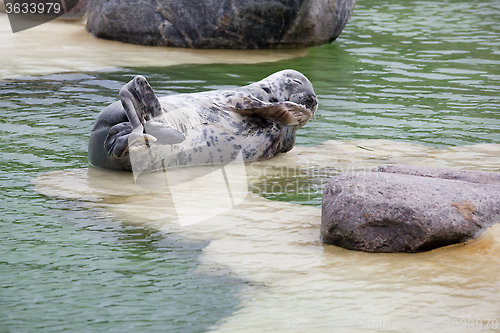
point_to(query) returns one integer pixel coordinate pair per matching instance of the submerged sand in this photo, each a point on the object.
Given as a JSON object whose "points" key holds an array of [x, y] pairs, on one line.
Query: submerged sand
{"points": [[295, 282], [64, 45]]}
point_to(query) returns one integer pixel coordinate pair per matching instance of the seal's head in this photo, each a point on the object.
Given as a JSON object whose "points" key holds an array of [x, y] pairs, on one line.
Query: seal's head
{"points": [[290, 85]]}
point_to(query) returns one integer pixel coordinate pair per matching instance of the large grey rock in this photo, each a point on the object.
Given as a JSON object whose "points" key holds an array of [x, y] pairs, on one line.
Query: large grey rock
{"points": [[399, 208], [232, 24]]}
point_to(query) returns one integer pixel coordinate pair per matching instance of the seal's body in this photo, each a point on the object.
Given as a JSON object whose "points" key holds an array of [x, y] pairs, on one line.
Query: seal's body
{"points": [[258, 121]]}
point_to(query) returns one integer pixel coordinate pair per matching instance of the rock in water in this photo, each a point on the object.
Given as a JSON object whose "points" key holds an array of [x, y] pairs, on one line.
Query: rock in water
{"points": [[400, 208], [231, 24]]}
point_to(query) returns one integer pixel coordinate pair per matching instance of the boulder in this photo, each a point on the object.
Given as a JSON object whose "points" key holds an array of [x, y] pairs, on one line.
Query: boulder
{"points": [[231, 24], [401, 208]]}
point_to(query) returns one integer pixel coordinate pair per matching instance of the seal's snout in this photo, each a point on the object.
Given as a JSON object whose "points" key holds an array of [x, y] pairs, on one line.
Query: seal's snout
{"points": [[312, 103], [309, 100]]}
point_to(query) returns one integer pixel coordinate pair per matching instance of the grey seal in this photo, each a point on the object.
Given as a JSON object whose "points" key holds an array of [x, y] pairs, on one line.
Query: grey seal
{"points": [[257, 121]]}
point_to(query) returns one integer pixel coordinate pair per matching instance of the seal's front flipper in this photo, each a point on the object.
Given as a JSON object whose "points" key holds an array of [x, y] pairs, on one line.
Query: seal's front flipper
{"points": [[284, 113]]}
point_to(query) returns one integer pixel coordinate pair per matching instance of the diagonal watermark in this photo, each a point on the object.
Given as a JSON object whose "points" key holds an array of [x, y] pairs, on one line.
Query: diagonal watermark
{"points": [[27, 14], [200, 188]]}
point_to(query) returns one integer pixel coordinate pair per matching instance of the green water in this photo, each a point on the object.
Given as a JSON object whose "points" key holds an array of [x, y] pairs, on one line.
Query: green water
{"points": [[424, 72]]}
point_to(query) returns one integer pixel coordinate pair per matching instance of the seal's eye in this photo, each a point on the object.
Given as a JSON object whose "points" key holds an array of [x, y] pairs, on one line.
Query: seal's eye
{"points": [[290, 81]]}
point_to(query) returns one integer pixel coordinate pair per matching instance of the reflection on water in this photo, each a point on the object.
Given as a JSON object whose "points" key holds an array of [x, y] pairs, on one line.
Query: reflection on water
{"points": [[424, 71], [416, 76]]}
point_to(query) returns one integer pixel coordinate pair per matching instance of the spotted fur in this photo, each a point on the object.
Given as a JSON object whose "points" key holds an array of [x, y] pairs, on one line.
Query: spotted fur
{"points": [[146, 132]]}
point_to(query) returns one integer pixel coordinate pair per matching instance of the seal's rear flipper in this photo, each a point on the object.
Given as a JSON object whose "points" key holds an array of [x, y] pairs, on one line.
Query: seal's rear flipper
{"points": [[118, 141], [164, 135], [142, 108], [140, 102], [284, 113]]}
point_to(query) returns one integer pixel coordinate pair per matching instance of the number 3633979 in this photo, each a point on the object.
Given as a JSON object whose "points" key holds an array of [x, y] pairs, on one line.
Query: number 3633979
{"points": [[32, 8]]}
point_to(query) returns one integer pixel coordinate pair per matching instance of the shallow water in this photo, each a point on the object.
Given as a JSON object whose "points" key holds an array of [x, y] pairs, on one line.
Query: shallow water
{"points": [[425, 76], [295, 281]]}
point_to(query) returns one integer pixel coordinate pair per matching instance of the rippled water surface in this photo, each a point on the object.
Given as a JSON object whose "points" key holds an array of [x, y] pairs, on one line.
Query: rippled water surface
{"points": [[422, 72]]}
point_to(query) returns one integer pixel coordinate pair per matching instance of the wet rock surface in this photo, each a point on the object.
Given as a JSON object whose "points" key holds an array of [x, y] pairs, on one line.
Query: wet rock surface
{"points": [[402, 208], [232, 24]]}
